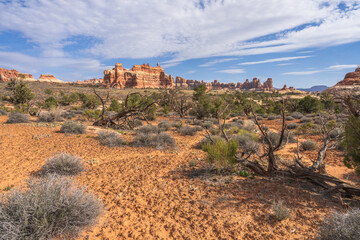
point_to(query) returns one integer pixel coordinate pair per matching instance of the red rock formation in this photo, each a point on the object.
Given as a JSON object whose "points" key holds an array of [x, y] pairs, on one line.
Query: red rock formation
{"points": [[49, 78], [6, 75], [268, 84], [181, 83], [284, 88], [351, 78], [140, 76]]}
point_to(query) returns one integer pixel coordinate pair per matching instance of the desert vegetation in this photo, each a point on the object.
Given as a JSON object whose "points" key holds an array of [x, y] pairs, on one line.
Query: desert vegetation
{"points": [[219, 153]]}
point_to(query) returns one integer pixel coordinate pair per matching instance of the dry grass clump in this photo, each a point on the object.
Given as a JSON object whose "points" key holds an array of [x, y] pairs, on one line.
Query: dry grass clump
{"points": [[49, 208], [152, 137], [16, 117], [281, 212], [308, 145], [188, 131], [344, 226], [271, 117], [3, 112], [63, 164], [73, 127], [289, 118], [247, 142], [51, 116], [305, 120], [292, 126], [164, 125], [297, 115], [110, 139]]}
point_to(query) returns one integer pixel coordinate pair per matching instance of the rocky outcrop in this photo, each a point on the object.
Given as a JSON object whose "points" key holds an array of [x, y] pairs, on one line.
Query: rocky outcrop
{"points": [[255, 84], [49, 78], [140, 76], [351, 78], [91, 81], [6, 75]]}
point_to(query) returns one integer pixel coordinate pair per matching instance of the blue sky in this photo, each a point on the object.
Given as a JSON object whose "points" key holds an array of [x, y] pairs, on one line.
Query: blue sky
{"points": [[298, 43]]}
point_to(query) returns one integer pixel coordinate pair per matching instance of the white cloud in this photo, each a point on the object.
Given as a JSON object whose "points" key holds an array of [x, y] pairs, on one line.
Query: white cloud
{"points": [[181, 29], [283, 59], [327, 69], [232, 71], [214, 62], [342, 67], [284, 64], [303, 72]]}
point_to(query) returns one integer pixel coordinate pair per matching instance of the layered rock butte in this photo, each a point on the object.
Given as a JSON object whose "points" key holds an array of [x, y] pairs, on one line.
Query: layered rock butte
{"points": [[351, 81], [6, 75], [49, 78], [140, 76]]}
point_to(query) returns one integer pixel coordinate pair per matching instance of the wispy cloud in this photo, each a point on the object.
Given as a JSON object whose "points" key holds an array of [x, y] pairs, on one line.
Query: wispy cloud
{"points": [[303, 72], [283, 59], [214, 62], [342, 67], [284, 64], [327, 69], [191, 72], [232, 71]]}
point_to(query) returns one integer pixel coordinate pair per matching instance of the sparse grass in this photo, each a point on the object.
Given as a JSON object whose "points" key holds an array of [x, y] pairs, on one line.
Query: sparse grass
{"points": [[155, 140], [281, 212], [51, 116], [73, 127], [110, 138], [164, 125], [16, 117], [3, 112], [271, 117], [296, 115], [305, 120], [188, 131], [292, 126], [63, 164], [344, 226], [148, 129], [289, 118], [308, 145], [49, 208]]}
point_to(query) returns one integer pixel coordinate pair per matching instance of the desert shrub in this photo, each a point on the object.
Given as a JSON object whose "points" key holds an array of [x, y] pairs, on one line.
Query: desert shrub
{"points": [[271, 117], [274, 138], [207, 124], [305, 120], [110, 138], [68, 114], [92, 114], [50, 102], [16, 117], [89, 101], [310, 105], [221, 153], [297, 115], [289, 118], [308, 145], [335, 133], [73, 127], [3, 112], [137, 123], [115, 106], [148, 129], [49, 208], [292, 126], [164, 125], [155, 140], [178, 124], [351, 144], [67, 100], [247, 142], [289, 136], [21, 94], [49, 91], [260, 118], [187, 131], [345, 226], [249, 126], [280, 210], [50, 116], [63, 164], [197, 122]]}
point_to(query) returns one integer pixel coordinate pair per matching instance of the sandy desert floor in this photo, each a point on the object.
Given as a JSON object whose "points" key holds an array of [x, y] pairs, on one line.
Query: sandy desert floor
{"points": [[153, 194]]}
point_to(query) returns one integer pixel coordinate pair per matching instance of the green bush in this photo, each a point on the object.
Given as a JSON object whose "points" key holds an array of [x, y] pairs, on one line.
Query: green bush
{"points": [[16, 117], [63, 164], [308, 145], [50, 102], [114, 106], [73, 127], [21, 94], [48, 208], [221, 153], [344, 226], [351, 144], [89, 101], [310, 105]]}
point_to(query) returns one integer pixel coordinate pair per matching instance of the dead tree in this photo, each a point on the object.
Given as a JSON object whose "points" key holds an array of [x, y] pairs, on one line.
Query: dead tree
{"points": [[130, 111], [103, 102], [177, 100], [270, 147]]}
